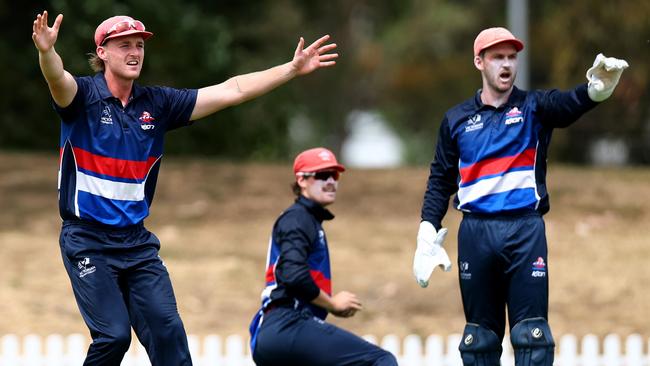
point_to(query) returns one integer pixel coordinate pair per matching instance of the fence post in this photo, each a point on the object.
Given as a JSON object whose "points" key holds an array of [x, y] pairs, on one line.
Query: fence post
{"points": [[634, 350], [54, 350], [234, 351], [212, 351], [412, 351], [590, 354], [434, 354], [390, 343], [32, 350], [453, 354], [9, 351], [76, 350], [612, 350], [193, 344], [568, 354]]}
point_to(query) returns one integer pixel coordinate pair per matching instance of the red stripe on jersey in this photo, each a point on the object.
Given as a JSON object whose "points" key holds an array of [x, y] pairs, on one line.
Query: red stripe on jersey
{"points": [[129, 169], [322, 282], [270, 274], [496, 166]]}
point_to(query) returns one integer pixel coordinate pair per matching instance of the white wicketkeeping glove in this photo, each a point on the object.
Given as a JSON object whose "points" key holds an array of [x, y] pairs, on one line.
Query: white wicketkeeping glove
{"points": [[603, 76], [429, 253]]}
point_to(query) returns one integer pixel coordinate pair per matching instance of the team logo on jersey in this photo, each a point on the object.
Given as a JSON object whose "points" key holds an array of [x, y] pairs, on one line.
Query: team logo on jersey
{"points": [[106, 116], [85, 268], [514, 116], [474, 123], [321, 237], [539, 268], [146, 121], [465, 274]]}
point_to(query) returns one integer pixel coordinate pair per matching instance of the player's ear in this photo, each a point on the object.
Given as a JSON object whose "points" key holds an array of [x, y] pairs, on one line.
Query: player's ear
{"points": [[478, 62], [302, 181], [101, 53]]}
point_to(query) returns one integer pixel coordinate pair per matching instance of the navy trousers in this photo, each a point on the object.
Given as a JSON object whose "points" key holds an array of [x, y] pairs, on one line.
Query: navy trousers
{"points": [[291, 337], [502, 263], [119, 282]]}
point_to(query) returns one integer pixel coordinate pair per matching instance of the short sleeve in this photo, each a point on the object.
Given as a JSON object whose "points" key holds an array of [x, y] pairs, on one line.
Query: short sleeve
{"points": [[71, 113], [180, 105]]}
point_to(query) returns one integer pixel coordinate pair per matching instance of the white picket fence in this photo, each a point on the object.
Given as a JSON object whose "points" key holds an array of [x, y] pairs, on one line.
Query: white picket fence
{"points": [[57, 350]]}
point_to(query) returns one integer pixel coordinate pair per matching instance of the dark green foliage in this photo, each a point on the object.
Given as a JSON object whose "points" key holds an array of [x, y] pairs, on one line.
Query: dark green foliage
{"points": [[409, 59]]}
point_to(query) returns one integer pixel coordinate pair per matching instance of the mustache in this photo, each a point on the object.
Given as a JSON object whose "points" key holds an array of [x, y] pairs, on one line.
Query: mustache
{"points": [[329, 188]]}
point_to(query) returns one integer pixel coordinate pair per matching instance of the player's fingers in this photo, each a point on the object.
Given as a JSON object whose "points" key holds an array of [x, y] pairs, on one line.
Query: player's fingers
{"points": [[355, 304], [45, 18], [319, 42], [57, 22], [37, 22], [328, 57], [327, 63], [301, 44], [327, 48]]}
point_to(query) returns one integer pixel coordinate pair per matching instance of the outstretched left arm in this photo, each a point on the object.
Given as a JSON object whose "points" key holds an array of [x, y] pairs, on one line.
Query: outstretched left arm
{"points": [[241, 88]]}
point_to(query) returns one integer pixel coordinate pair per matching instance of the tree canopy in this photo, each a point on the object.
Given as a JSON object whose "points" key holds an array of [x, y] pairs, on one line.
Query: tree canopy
{"points": [[410, 60]]}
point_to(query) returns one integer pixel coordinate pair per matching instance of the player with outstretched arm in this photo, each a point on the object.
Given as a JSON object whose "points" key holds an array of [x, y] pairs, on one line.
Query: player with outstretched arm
{"points": [[491, 153], [111, 145]]}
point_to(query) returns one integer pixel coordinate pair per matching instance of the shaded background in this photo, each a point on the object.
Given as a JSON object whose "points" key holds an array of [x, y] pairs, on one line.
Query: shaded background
{"points": [[406, 60]]}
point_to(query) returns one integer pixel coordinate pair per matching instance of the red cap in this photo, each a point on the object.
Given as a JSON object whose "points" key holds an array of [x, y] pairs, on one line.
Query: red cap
{"points": [[316, 159], [119, 26], [491, 36]]}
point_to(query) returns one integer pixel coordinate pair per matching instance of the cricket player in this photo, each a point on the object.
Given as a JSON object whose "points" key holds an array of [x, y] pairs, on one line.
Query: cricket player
{"points": [[112, 133], [492, 151], [290, 327]]}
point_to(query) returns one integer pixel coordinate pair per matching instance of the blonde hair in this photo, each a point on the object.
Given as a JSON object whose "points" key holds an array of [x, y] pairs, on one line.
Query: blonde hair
{"points": [[96, 63]]}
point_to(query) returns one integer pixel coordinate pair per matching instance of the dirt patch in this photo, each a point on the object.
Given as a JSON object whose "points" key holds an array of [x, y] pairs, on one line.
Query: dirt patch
{"points": [[214, 219]]}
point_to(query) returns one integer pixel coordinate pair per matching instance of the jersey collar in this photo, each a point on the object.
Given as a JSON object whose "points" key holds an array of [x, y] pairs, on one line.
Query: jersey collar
{"points": [[320, 212], [514, 99], [100, 81]]}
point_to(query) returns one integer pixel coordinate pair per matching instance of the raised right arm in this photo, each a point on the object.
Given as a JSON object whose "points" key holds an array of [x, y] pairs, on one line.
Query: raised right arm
{"points": [[62, 84]]}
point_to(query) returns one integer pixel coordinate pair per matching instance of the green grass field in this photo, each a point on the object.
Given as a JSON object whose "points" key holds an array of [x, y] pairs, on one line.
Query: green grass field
{"points": [[214, 220]]}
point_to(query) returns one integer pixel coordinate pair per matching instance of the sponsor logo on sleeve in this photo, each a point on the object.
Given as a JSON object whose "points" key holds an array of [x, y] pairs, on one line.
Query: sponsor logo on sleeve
{"points": [[539, 268]]}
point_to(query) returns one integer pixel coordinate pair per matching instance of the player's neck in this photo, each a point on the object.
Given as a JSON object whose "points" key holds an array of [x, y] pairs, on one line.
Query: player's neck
{"points": [[120, 88], [494, 98]]}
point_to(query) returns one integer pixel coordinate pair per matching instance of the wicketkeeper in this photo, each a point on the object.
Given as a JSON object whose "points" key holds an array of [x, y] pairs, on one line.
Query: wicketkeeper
{"points": [[491, 153]]}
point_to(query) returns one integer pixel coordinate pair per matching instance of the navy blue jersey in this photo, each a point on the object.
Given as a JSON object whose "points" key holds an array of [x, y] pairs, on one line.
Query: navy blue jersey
{"points": [[494, 159], [110, 154], [297, 263]]}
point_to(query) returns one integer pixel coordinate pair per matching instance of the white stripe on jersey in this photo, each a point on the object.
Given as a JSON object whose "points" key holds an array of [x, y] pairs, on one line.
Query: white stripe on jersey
{"points": [[503, 183], [109, 189]]}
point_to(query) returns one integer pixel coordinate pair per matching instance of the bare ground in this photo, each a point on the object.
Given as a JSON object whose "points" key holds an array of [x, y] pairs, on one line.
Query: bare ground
{"points": [[214, 219]]}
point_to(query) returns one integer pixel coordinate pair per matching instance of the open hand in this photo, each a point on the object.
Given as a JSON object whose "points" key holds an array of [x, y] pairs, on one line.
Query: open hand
{"points": [[44, 37], [306, 60]]}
